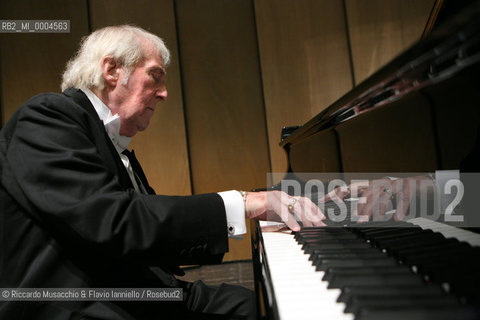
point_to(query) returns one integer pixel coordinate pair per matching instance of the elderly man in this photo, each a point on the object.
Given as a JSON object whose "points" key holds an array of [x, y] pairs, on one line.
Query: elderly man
{"points": [[76, 210]]}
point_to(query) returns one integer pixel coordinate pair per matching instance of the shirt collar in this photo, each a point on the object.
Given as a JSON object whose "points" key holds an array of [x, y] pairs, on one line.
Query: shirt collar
{"points": [[111, 122]]}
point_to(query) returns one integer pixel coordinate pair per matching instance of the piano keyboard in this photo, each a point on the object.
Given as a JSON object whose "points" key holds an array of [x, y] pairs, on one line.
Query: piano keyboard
{"points": [[416, 270]]}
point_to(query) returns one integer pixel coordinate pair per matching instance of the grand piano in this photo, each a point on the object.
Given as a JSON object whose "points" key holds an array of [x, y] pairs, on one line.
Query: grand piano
{"points": [[418, 114]]}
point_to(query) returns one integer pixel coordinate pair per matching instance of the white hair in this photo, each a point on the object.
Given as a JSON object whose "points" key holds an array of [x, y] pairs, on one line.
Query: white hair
{"points": [[125, 43]]}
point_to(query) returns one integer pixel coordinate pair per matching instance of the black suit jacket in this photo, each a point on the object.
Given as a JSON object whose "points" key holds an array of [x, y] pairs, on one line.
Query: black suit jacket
{"points": [[69, 216]]}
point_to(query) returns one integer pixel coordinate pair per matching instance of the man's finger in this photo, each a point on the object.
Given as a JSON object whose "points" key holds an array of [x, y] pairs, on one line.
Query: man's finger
{"points": [[403, 202], [283, 209], [337, 194], [274, 228], [313, 213]]}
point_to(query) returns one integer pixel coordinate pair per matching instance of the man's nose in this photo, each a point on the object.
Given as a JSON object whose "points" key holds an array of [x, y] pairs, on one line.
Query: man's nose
{"points": [[162, 94]]}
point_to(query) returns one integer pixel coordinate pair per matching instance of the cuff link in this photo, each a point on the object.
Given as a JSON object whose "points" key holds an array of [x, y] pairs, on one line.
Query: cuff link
{"points": [[231, 229]]}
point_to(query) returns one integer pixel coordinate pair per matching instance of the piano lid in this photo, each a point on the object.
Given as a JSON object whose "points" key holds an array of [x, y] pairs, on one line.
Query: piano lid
{"points": [[452, 47]]}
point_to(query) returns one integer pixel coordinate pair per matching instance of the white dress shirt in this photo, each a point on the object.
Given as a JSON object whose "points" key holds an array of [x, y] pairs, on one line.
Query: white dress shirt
{"points": [[233, 200]]}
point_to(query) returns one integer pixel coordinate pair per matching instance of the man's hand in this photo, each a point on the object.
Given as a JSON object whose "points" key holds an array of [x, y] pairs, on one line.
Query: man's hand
{"points": [[279, 206], [375, 197]]}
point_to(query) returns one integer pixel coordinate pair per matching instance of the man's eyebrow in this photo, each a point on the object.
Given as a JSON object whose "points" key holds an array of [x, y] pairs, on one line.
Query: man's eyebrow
{"points": [[159, 69]]}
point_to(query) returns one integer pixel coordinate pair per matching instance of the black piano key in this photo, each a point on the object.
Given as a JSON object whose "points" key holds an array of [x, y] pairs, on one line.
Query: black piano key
{"points": [[446, 255], [419, 290], [309, 231], [461, 264], [323, 240], [329, 233], [468, 288], [375, 280], [454, 274], [397, 232], [331, 272], [372, 225], [318, 253], [389, 232], [340, 271], [419, 313], [418, 244], [320, 258], [402, 240], [322, 237], [356, 262], [310, 247], [354, 245], [466, 258], [357, 303], [379, 232], [320, 230], [435, 242]]}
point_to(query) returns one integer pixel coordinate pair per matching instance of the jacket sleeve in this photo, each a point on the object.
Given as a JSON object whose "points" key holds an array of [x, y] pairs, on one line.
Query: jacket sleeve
{"points": [[53, 168]]}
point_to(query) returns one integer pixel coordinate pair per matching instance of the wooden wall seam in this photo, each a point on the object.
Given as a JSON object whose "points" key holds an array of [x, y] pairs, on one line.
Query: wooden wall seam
{"points": [[268, 178], [349, 42], [187, 140]]}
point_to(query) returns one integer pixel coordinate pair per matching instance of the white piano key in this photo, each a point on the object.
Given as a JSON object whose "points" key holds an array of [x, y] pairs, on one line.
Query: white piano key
{"points": [[299, 290]]}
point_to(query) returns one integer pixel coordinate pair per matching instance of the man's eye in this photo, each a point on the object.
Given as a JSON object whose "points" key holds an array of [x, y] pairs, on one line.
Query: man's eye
{"points": [[155, 76]]}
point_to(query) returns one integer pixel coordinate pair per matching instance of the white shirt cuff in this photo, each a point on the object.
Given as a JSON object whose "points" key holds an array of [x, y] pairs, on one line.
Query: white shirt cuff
{"points": [[235, 209]]}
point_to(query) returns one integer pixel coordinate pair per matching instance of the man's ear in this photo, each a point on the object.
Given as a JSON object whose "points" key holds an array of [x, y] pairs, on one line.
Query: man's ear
{"points": [[110, 70]]}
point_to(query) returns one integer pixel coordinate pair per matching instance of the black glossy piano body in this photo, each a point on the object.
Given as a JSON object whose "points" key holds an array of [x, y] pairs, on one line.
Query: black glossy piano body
{"points": [[419, 113]]}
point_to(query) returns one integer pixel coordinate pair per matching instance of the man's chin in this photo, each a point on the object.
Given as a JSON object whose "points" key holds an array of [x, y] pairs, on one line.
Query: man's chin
{"points": [[129, 133], [142, 128], [134, 128]]}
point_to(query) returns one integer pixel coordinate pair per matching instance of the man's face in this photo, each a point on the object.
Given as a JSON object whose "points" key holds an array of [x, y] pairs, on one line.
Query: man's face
{"points": [[137, 98]]}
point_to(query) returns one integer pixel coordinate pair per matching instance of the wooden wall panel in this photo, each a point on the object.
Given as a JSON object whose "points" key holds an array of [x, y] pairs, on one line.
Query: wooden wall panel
{"points": [[223, 99], [382, 29], [305, 63], [162, 148], [33, 63]]}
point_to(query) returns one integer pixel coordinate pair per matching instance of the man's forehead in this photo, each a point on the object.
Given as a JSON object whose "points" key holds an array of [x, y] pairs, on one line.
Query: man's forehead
{"points": [[153, 59], [154, 62]]}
